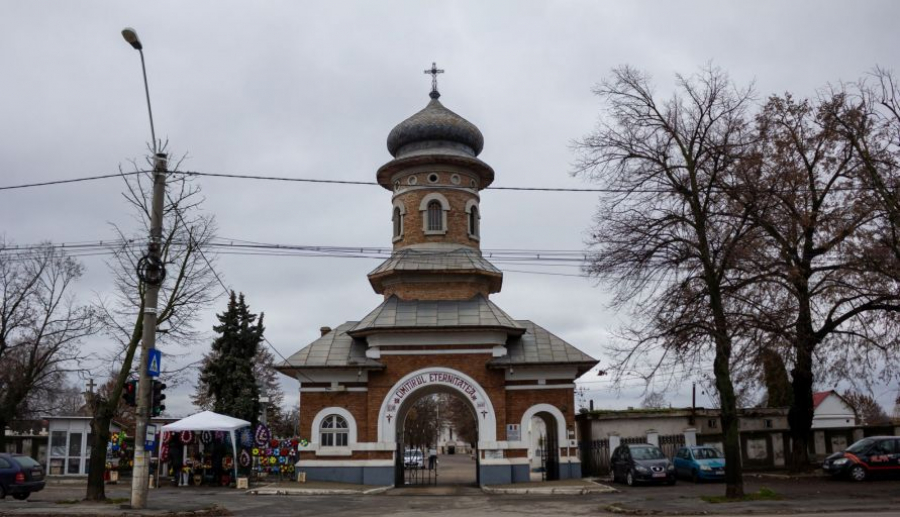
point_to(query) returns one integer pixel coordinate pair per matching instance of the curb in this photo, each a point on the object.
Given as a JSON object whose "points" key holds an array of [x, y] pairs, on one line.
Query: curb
{"points": [[558, 490], [316, 491]]}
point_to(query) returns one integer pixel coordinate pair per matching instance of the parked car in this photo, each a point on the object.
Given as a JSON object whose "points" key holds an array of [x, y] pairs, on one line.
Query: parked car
{"points": [[700, 463], [869, 456], [413, 458], [641, 463], [20, 475]]}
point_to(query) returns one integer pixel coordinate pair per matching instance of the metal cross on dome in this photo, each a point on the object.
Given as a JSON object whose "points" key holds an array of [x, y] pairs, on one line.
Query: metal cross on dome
{"points": [[434, 71]]}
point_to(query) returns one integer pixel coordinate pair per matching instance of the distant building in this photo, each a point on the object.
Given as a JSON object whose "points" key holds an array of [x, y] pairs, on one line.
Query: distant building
{"points": [[832, 410]]}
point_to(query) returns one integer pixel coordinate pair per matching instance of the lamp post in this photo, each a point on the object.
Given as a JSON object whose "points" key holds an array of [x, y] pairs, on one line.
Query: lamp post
{"points": [[151, 272]]}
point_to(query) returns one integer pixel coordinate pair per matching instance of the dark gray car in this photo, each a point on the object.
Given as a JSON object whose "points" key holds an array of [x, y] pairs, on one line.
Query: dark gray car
{"points": [[641, 463]]}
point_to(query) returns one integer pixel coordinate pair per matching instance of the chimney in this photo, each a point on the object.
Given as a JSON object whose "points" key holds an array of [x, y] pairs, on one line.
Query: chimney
{"points": [[325, 330]]}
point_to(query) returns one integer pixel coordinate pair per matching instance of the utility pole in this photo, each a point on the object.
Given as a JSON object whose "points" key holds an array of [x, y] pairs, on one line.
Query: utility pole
{"points": [[151, 272]]}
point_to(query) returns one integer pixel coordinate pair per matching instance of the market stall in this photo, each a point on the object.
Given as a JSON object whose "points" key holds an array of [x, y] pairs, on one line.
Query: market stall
{"points": [[209, 422]]}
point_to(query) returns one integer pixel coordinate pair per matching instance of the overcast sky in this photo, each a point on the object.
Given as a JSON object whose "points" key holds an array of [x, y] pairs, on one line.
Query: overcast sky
{"points": [[312, 89]]}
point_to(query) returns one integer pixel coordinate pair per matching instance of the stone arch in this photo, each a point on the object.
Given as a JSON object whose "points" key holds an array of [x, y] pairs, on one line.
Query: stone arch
{"points": [[553, 411], [434, 196], [411, 387], [334, 410]]}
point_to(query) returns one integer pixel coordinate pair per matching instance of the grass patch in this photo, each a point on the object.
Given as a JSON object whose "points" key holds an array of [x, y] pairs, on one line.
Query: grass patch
{"points": [[764, 494], [116, 500]]}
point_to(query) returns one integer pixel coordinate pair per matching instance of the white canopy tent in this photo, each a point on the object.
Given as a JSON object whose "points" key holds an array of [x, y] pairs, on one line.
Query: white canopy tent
{"points": [[209, 421]]}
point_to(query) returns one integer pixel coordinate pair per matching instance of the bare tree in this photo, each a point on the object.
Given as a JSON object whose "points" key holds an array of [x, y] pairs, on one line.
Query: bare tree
{"points": [[665, 237], [188, 288], [868, 410], [816, 291], [654, 400], [40, 327]]}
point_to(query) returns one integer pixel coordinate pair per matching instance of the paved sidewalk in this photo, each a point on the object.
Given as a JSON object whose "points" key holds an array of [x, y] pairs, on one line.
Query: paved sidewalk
{"points": [[561, 487]]}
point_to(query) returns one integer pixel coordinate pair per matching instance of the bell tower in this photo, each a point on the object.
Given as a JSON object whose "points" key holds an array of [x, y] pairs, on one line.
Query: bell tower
{"points": [[436, 178]]}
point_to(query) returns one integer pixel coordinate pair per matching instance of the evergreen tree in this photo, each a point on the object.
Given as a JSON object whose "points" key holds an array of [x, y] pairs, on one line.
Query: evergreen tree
{"points": [[227, 377]]}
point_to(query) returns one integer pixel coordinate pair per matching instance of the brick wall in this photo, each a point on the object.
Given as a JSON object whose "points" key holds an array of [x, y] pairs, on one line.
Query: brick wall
{"points": [[509, 405], [457, 218], [438, 290]]}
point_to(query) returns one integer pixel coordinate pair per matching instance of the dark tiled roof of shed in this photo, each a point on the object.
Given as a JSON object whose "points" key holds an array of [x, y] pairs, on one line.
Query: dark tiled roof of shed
{"points": [[394, 313], [538, 346], [334, 349]]}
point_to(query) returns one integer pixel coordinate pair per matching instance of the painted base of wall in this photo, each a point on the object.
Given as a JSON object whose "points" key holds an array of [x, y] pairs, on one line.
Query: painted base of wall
{"points": [[375, 476], [384, 475]]}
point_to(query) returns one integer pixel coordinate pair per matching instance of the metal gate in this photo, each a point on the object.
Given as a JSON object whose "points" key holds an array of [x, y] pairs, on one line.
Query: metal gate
{"points": [[414, 466], [550, 457], [595, 457]]}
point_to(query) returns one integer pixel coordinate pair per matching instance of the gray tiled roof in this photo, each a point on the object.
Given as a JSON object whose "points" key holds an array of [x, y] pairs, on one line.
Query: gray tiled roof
{"points": [[435, 123], [538, 346], [461, 259], [477, 312], [335, 349]]}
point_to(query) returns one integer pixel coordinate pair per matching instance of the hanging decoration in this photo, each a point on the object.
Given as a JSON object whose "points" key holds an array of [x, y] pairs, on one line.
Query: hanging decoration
{"points": [[304, 442], [166, 437], [227, 463], [274, 456], [206, 437], [245, 437], [244, 459], [186, 437], [263, 435]]}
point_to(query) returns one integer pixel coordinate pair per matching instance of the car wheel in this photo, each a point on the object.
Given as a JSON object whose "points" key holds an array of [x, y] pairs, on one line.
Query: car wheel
{"points": [[858, 473], [629, 479], [695, 476], [21, 496]]}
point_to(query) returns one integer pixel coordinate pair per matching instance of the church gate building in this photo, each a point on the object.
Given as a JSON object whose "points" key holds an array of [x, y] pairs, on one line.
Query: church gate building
{"points": [[437, 331]]}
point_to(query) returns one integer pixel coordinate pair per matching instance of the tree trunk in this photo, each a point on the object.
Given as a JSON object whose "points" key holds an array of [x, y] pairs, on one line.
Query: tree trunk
{"points": [[3, 423], [800, 416], [734, 479], [96, 487]]}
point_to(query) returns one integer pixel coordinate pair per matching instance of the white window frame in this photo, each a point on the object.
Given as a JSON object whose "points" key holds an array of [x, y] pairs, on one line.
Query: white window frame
{"points": [[470, 204], [398, 205], [342, 450], [423, 208]]}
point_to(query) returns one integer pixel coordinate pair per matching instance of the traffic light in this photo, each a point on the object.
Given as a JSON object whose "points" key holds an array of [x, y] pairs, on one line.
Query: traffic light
{"points": [[131, 389], [157, 397]]}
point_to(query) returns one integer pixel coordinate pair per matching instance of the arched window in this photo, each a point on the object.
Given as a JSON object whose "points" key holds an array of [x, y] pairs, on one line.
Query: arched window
{"points": [[473, 221], [435, 216], [334, 431], [398, 222]]}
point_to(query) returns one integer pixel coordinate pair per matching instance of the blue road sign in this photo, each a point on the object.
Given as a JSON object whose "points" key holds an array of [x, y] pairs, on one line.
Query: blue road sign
{"points": [[154, 365]]}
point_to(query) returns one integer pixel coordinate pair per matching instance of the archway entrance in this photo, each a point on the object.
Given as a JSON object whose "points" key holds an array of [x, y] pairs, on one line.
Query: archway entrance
{"points": [[547, 451], [437, 443], [409, 417]]}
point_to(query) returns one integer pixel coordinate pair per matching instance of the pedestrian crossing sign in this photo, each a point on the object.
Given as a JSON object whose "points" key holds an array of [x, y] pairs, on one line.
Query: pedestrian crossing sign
{"points": [[154, 362]]}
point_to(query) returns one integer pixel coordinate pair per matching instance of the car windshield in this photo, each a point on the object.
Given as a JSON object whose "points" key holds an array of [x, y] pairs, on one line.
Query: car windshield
{"points": [[26, 462], [647, 453], [707, 453], [860, 446]]}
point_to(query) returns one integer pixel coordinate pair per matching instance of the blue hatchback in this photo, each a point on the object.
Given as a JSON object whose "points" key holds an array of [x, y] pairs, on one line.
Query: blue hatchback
{"points": [[700, 463], [20, 476]]}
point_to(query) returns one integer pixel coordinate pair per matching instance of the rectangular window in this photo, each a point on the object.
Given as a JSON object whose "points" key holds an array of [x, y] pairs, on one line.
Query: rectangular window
{"points": [[75, 445], [74, 464], [327, 440], [58, 443], [341, 439], [712, 423], [768, 423]]}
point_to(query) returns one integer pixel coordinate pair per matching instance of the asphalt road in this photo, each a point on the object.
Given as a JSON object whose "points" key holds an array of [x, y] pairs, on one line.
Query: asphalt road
{"points": [[804, 495]]}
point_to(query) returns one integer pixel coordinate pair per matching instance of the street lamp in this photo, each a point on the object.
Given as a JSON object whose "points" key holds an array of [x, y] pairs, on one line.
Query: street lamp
{"points": [[151, 272], [132, 38]]}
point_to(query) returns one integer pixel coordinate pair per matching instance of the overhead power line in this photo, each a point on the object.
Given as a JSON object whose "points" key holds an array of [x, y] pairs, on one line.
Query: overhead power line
{"points": [[372, 183]]}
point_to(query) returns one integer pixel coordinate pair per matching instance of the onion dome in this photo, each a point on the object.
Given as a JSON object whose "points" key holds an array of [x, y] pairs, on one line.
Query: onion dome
{"points": [[435, 127]]}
